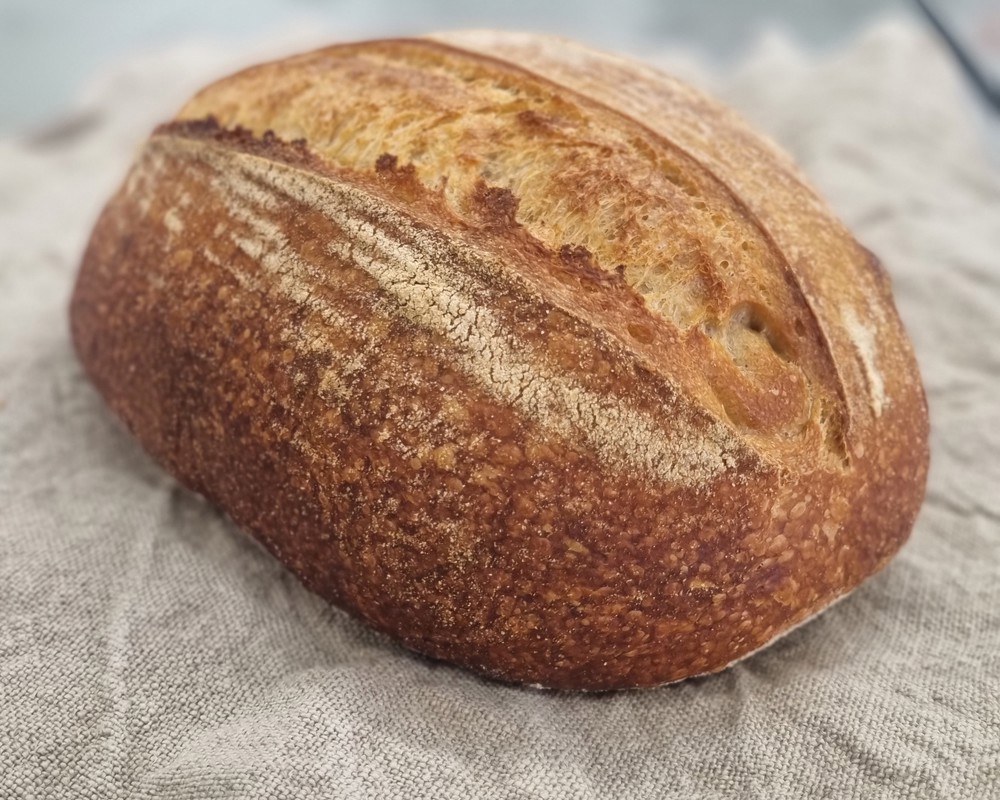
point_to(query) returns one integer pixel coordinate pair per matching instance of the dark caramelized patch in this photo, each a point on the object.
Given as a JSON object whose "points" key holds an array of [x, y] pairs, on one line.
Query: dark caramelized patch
{"points": [[267, 145], [495, 206]]}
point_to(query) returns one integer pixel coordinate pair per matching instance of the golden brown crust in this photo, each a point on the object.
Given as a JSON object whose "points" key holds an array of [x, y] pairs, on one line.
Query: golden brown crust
{"points": [[413, 340]]}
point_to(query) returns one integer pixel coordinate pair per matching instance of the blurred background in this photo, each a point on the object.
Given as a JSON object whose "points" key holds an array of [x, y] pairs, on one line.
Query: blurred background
{"points": [[50, 50]]}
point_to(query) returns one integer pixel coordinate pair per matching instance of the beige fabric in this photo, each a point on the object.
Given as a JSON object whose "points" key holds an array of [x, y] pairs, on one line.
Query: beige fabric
{"points": [[149, 650]]}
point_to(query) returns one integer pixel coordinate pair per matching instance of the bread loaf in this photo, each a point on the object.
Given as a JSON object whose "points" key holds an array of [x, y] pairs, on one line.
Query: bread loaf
{"points": [[535, 359]]}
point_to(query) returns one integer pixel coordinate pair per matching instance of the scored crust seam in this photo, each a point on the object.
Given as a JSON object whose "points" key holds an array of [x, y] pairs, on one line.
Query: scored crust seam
{"points": [[433, 286]]}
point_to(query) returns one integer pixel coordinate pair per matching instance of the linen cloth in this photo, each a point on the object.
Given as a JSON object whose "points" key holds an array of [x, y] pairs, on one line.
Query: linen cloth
{"points": [[148, 649]]}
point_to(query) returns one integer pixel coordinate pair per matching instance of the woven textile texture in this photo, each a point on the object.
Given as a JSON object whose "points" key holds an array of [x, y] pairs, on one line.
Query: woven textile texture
{"points": [[150, 650]]}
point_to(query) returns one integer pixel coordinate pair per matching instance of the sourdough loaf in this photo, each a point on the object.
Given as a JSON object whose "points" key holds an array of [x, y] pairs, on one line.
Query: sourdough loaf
{"points": [[535, 359]]}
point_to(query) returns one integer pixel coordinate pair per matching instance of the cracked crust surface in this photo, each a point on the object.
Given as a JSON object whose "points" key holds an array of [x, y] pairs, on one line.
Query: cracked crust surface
{"points": [[532, 358]]}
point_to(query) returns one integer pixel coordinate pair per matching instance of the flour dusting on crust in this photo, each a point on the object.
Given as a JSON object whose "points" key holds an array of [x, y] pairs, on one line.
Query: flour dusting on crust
{"points": [[863, 338]]}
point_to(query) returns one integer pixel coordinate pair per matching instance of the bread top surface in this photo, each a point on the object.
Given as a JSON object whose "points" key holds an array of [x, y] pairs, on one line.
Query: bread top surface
{"points": [[730, 277]]}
